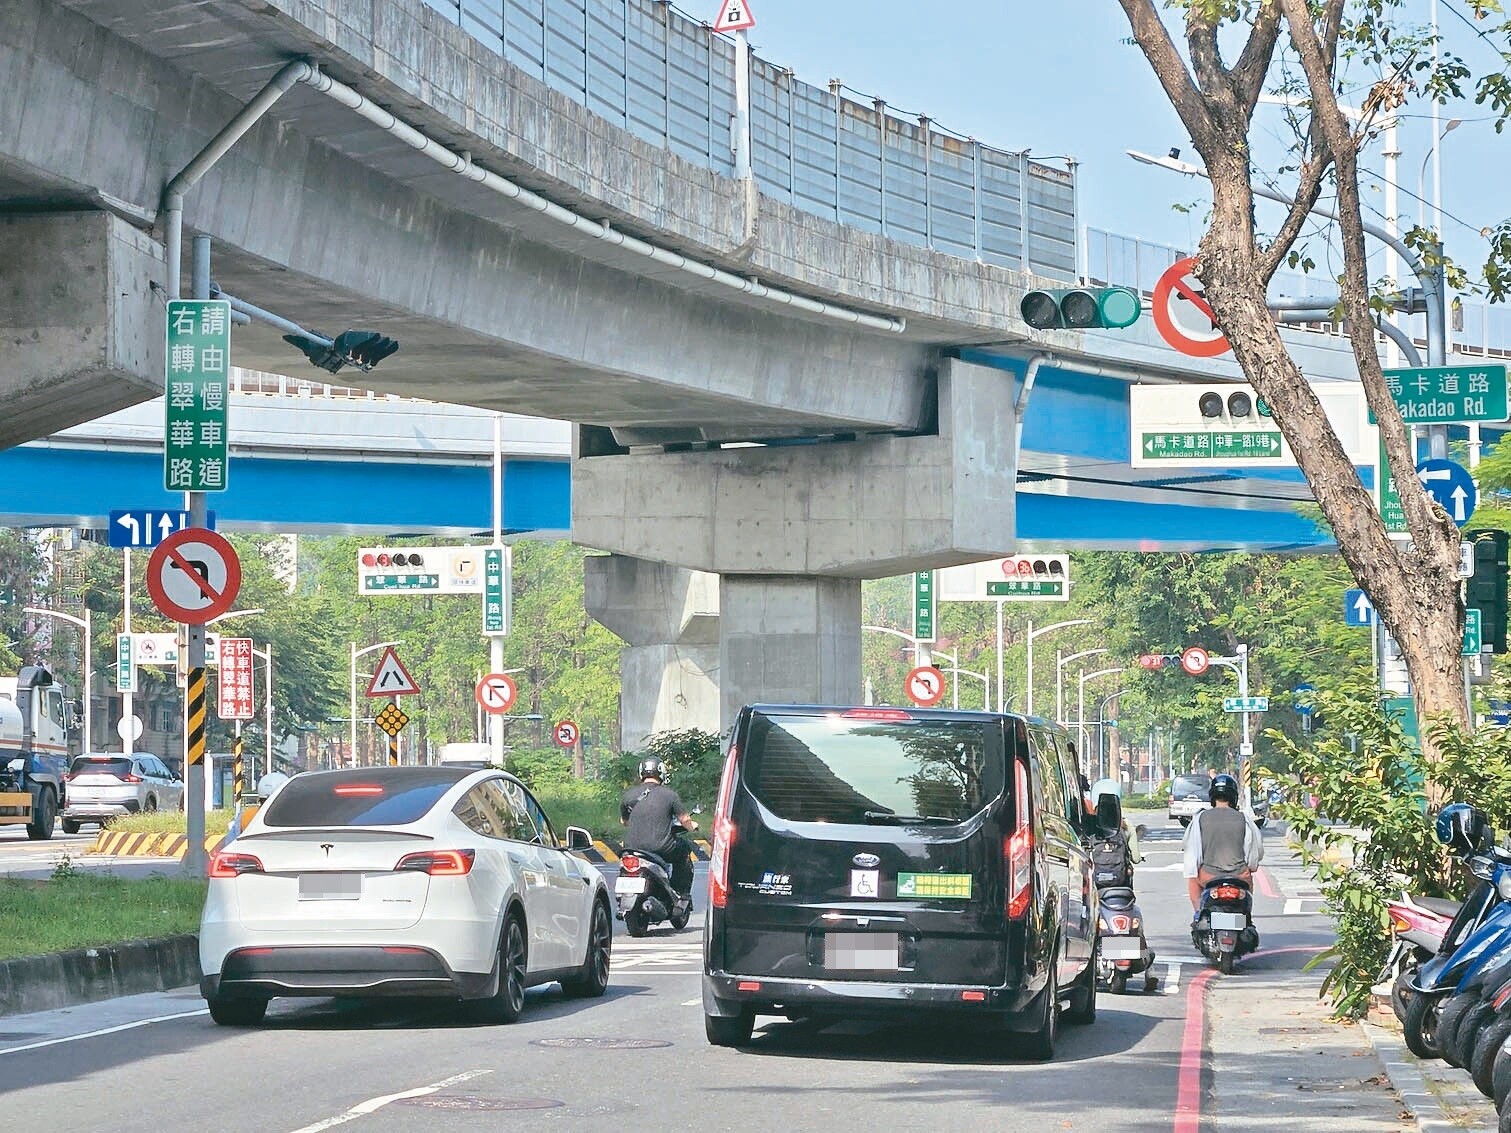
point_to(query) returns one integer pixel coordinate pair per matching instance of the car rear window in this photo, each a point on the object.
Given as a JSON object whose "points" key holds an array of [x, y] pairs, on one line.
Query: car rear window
{"points": [[850, 768], [1189, 785], [387, 797], [93, 765]]}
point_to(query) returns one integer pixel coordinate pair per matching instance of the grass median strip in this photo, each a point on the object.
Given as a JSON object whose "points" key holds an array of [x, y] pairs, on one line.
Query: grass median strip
{"points": [[168, 822], [75, 910]]}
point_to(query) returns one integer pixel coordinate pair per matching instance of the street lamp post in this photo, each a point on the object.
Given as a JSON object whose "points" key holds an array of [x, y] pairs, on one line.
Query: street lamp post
{"points": [[355, 653], [1102, 760], [1033, 633], [1081, 680], [84, 624], [1060, 663]]}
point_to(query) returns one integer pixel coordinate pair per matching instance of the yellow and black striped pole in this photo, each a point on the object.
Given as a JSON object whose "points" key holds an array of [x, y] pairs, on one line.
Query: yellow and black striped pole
{"points": [[194, 756], [238, 769], [393, 740]]}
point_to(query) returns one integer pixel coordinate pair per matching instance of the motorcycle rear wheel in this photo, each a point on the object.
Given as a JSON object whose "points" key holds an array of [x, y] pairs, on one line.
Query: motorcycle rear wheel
{"points": [[1225, 963], [1487, 1045], [1420, 1027], [1451, 1014]]}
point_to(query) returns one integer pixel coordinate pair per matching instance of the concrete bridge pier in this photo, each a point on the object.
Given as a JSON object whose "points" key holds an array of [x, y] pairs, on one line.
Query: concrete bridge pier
{"points": [[792, 529], [669, 618], [81, 334]]}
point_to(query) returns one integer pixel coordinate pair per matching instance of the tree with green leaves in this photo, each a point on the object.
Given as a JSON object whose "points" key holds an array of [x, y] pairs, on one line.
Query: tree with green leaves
{"points": [[1318, 50]]}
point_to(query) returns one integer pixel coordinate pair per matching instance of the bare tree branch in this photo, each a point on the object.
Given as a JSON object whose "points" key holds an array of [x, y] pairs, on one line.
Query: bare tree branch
{"points": [[1169, 68], [1258, 53]]}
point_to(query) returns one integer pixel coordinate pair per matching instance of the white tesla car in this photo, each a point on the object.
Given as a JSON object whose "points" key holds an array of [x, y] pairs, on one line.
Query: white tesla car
{"points": [[402, 881]]}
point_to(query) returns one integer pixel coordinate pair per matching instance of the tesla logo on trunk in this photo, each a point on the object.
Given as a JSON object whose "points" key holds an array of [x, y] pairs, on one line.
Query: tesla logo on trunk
{"points": [[866, 861], [327, 847]]}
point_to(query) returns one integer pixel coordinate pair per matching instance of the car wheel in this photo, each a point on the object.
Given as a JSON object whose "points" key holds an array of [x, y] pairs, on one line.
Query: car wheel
{"points": [[150, 805], [592, 979], [1184, 821], [730, 1030], [70, 826], [1486, 1047], [228, 1012], [506, 1004], [1038, 1045], [39, 829], [1420, 1027], [1083, 997]]}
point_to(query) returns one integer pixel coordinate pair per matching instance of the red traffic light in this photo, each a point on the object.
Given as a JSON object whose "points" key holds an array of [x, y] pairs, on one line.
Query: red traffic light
{"points": [[1151, 660], [369, 559], [383, 559]]}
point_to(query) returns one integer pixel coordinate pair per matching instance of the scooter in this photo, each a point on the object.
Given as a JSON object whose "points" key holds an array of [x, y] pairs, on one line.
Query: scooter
{"points": [[643, 891], [1122, 948], [1418, 926], [1224, 928]]}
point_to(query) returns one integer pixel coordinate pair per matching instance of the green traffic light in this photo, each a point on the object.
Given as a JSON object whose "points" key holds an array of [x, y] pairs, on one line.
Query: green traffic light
{"points": [[1120, 307], [1081, 308]]}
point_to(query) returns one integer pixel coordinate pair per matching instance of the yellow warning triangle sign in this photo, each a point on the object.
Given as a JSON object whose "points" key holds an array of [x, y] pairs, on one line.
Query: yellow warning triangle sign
{"points": [[734, 15], [391, 678]]}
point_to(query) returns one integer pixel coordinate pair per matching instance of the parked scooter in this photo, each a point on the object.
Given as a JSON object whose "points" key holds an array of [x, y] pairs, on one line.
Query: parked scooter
{"points": [[1122, 948], [643, 891], [1224, 929], [1418, 926]]}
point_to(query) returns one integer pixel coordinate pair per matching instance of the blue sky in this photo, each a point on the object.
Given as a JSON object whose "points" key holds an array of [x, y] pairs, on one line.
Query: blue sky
{"points": [[1053, 76]]}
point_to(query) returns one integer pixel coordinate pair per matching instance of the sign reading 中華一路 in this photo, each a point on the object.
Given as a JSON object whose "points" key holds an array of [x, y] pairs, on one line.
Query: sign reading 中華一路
{"points": [[195, 443]]}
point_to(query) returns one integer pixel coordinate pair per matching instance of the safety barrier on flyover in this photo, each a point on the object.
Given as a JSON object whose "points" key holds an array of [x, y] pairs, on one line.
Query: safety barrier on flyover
{"points": [[129, 845], [607, 853]]}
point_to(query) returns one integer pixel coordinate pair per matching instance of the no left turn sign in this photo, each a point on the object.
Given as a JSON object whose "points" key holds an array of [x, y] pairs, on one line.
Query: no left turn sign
{"points": [[1182, 314], [496, 693], [925, 686], [566, 734], [193, 576], [1194, 660]]}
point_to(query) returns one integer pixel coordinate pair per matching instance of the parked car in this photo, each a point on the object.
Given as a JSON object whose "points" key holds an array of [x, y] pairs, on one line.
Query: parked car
{"points": [[402, 881], [900, 864], [100, 786], [1188, 797]]}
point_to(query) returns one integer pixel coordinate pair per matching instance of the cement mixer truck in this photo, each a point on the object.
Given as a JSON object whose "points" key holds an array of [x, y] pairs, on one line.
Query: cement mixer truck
{"points": [[34, 725]]}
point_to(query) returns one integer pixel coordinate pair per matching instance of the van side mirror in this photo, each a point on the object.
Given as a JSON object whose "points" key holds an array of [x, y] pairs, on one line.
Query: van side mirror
{"points": [[578, 838]]}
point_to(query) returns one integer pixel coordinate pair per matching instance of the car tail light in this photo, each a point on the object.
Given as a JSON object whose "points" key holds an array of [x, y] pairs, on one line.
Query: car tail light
{"points": [[438, 863], [129, 778], [724, 836], [227, 863], [1019, 850], [973, 996], [1227, 893], [629, 864]]}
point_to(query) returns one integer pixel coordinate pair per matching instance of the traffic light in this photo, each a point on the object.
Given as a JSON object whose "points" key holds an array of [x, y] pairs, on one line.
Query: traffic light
{"points": [[363, 349], [1485, 590], [1077, 308], [1238, 405]]}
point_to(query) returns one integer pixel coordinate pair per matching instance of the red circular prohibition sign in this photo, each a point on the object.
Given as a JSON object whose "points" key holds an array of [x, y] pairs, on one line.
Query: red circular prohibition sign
{"points": [[1172, 289], [194, 576]]}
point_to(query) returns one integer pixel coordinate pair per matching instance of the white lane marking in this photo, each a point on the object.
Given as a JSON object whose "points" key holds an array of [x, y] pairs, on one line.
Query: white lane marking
{"points": [[362, 1109], [105, 1031], [1172, 977], [693, 1002]]}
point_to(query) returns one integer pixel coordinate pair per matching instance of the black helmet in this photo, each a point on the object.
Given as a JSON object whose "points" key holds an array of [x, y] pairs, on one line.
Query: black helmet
{"points": [[1223, 787], [1461, 827], [652, 768]]}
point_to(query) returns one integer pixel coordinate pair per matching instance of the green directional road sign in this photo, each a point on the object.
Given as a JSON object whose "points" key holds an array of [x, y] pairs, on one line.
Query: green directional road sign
{"points": [[1245, 704], [1442, 395], [1390, 499], [125, 664], [1012, 588], [1473, 633], [1235, 444], [195, 445], [496, 591], [404, 584], [923, 605]]}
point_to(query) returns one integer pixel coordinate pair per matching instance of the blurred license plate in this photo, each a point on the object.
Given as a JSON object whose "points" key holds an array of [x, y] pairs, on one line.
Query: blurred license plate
{"points": [[629, 885], [1121, 947], [330, 886], [1227, 920], [861, 951]]}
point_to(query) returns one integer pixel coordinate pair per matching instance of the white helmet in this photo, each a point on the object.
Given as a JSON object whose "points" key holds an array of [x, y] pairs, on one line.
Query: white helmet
{"points": [[1106, 787], [270, 783]]}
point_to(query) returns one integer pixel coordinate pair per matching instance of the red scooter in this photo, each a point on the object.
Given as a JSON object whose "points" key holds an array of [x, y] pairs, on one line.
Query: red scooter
{"points": [[1417, 926]]}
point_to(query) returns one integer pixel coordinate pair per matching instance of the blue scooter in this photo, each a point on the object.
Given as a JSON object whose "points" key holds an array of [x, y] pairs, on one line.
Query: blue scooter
{"points": [[1482, 925]]}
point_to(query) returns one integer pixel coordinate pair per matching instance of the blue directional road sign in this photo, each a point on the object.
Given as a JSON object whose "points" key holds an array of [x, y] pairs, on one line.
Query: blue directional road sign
{"points": [[142, 528], [1451, 486], [1300, 691], [1358, 610]]}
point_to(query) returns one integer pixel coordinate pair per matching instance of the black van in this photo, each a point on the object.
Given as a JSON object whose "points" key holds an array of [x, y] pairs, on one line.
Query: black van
{"points": [[899, 863]]}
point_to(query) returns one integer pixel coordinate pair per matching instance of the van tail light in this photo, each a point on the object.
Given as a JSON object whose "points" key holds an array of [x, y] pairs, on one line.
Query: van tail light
{"points": [[225, 863], [1019, 849], [438, 863], [724, 835], [629, 864]]}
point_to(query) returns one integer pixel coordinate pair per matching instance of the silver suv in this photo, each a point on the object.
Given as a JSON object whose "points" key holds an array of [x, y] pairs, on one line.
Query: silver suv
{"points": [[102, 785], [1189, 797]]}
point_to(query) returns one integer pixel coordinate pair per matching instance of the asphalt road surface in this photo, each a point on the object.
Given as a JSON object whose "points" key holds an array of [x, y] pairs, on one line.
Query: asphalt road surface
{"points": [[636, 1059]]}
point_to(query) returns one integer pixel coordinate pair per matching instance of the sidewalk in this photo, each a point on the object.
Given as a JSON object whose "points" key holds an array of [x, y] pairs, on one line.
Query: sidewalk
{"points": [[1276, 1058]]}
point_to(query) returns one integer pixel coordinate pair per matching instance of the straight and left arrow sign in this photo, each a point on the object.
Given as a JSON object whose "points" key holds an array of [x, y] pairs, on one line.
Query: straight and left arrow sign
{"points": [[141, 529]]}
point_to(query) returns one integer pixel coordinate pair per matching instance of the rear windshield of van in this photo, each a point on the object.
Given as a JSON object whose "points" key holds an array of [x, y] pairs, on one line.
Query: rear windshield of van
{"points": [[1186, 786], [389, 796], [853, 769]]}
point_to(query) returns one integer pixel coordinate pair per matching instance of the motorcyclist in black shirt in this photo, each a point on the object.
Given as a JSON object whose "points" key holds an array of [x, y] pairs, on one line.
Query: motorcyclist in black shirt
{"points": [[654, 819]]}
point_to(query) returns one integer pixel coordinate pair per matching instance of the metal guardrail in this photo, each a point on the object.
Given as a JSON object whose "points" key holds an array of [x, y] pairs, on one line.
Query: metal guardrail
{"points": [[1475, 327], [668, 78]]}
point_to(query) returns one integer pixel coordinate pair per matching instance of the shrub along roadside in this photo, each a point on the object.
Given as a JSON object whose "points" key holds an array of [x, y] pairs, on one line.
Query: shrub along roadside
{"points": [[168, 822], [81, 910], [1376, 790]]}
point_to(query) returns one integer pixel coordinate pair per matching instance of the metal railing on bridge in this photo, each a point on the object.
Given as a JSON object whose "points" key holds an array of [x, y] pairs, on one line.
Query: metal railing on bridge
{"points": [[1476, 327], [669, 79]]}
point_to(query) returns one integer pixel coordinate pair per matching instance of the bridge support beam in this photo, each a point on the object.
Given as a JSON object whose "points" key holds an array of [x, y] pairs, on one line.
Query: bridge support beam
{"points": [[792, 529], [669, 619], [81, 334]]}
